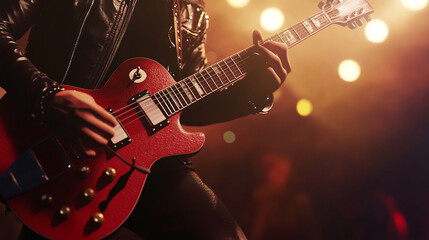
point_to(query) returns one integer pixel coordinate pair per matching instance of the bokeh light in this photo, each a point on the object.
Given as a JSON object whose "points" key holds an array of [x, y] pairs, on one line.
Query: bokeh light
{"points": [[229, 137], [238, 3], [272, 19], [414, 5], [304, 107], [376, 31], [349, 70]]}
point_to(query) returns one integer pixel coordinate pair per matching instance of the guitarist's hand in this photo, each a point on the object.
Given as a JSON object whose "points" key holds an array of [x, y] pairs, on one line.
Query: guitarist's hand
{"points": [[76, 117], [268, 67]]}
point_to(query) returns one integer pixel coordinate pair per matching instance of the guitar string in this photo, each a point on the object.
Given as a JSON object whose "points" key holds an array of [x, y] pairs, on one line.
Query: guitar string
{"points": [[318, 16], [235, 70], [238, 70], [137, 112], [302, 34], [180, 91]]}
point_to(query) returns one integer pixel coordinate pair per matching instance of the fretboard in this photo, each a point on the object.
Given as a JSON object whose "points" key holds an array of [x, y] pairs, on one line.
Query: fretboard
{"points": [[187, 91]]}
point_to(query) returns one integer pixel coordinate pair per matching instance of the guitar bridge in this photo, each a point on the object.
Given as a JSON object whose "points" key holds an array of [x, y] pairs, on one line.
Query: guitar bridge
{"points": [[155, 118]]}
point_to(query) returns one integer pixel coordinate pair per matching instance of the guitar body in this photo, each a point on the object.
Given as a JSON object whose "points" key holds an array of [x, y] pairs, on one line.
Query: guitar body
{"points": [[114, 199]]}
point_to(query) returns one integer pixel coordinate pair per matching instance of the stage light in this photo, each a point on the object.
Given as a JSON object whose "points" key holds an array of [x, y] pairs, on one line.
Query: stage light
{"points": [[376, 31], [229, 137], [349, 70], [304, 107], [238, 3], [414, 5], [272, 19]]}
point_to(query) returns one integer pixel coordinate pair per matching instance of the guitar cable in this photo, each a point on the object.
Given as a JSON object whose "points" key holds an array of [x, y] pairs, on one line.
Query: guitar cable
{"points": [[138, 168]]}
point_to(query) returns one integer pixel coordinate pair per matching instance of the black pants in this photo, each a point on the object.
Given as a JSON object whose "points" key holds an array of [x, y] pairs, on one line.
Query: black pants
{"points": [[175, 204]]}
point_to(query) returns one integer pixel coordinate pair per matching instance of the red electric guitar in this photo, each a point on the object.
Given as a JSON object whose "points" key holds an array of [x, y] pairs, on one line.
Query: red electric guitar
{"points": [[62, 195]]}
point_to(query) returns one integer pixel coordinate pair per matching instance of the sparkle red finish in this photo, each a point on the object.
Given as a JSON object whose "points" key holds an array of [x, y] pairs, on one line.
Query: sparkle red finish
{"points": [[18, 132]]}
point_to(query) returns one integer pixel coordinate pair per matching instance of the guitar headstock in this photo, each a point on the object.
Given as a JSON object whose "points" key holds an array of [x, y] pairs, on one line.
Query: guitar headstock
{"points": [[347, 12]]}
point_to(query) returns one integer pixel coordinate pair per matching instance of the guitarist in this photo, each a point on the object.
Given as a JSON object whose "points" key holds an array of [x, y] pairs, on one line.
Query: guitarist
{"points": [[80, 43]]}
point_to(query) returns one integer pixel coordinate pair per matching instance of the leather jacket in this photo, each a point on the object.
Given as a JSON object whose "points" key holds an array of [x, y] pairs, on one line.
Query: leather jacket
{"points": [[73, 42]]}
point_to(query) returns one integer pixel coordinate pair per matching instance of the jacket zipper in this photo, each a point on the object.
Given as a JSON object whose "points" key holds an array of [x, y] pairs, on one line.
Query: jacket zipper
{"points": [[76, 42], [116, 44]]}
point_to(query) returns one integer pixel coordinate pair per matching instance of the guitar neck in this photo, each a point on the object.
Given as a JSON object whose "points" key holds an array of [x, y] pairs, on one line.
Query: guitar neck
{"points": [[231, 69]]}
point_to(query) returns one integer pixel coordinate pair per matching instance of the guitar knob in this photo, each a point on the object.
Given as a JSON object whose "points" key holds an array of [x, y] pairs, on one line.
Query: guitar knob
{"points": [[46, 200], [84, 171], [88, 194], [321, 4], [64, 212], [109, 174], [97, 219]]}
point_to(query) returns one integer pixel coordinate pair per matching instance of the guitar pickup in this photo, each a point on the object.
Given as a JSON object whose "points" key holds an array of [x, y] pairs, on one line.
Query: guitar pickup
{"points": [[121, 137], [155, 118]]}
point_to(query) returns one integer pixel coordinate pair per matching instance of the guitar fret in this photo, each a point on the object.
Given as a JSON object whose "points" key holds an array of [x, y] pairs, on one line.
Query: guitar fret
{"points": [[243, 58], [217, 75], [196, 85], [229, 69], [160, 103], [173, 101], [165, 104], [308, 26], [213, 75], [320, 20], [210, 78], [182, 94], [223, 72], [169, 104], [209, 90], [191, 87], [174, 98], [236, 66], [293, 29], [281, 39], [291, 38], [177, 95], [239, 63], [301, 29], [188, 92]]}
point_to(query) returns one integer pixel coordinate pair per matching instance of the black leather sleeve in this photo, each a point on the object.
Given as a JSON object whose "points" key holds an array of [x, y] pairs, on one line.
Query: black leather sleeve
{"points": [[18, 76]]}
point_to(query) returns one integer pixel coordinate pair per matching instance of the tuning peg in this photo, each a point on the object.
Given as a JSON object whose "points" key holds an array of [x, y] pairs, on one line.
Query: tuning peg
{"points": [[352, 25], [359, 22], [321, 4], [367, 18]]}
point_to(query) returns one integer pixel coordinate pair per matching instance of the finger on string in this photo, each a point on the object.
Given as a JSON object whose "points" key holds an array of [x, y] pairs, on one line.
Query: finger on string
{"points": [[95, 123], [103, 114], [94, 136], [257, 38], [273, 61], [281, 51]]}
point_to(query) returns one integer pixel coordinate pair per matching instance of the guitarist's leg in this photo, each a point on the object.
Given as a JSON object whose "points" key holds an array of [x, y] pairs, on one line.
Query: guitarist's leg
{"points": [[176, 204]]}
